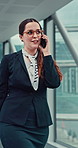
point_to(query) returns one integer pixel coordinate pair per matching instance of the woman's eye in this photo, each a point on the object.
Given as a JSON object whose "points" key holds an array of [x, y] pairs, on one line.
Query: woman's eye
{"points": [[30, 32], [38, 31]]}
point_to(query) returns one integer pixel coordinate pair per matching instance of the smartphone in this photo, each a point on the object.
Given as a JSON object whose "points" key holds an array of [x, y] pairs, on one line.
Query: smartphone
{"points": [[43, 42]]}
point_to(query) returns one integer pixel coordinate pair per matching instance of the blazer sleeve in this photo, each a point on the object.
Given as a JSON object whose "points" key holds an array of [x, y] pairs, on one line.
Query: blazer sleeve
{"points": [[51, 76], [3, 80]]}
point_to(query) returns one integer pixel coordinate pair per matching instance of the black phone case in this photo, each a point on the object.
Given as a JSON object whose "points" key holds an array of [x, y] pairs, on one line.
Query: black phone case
{"points": [[43, 42]]}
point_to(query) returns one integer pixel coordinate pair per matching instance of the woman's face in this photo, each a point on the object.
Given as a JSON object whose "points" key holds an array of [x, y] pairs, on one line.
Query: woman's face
{"points": [[31, 36]]}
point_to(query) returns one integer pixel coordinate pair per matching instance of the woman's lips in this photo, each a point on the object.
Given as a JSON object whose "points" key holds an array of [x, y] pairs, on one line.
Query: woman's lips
{"points": [[35, 41]]}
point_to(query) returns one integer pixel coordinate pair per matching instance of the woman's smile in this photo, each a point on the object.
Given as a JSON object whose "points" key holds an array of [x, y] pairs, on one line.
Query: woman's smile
{"points": [[35, 41]]}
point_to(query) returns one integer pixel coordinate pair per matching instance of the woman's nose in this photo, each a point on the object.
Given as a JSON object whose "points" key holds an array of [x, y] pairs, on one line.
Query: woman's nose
{"points": [[34, 34]]}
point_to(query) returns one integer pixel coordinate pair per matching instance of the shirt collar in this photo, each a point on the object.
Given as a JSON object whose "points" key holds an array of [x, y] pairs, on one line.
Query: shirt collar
{"points": [[25, 53]]}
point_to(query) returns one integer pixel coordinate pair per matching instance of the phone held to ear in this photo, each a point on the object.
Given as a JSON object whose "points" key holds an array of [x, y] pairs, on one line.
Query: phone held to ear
{"points": [[43, 42]]}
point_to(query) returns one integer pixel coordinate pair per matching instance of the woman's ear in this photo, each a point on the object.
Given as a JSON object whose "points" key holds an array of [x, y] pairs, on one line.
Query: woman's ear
{"points": [[20, 36]]}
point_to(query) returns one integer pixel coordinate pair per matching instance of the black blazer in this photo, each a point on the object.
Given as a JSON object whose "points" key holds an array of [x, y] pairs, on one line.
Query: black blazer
{"points": [[17, 93]]}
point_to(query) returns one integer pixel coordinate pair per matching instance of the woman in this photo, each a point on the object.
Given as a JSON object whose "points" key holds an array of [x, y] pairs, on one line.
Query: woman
{"points": [[24, 78]]}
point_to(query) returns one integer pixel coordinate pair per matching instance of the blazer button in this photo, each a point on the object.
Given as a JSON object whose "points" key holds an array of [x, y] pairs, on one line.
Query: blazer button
{"points": [[7, 95]]}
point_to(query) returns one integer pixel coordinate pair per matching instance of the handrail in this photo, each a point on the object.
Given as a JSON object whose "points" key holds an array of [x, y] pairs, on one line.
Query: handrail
{"points": [[67, 116]]}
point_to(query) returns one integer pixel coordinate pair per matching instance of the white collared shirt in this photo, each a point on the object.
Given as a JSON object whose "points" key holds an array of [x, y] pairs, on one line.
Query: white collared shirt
{"points": [[31, 67]]}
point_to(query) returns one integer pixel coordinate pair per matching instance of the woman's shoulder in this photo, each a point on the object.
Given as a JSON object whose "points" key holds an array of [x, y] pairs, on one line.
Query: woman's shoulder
{"points": [[11, 55]]}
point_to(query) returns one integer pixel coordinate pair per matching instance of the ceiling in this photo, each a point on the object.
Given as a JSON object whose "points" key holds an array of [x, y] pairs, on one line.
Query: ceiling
{"points": [[12, 12]]}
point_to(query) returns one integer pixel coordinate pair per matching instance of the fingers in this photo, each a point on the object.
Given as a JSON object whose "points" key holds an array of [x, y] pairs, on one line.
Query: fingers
{"points": [[45, 37]]}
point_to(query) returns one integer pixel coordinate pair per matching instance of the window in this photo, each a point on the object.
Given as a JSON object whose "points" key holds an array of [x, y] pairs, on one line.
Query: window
{"points": [[1, 51], [67, 93]]}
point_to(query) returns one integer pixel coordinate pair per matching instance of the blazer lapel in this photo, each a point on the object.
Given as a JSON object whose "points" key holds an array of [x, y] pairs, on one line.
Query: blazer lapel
{"points": [[20, 57], [22, 61]]}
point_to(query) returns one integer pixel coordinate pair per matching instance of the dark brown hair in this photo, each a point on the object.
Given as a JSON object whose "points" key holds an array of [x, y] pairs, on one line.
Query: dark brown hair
{"points": [[40, 54]]}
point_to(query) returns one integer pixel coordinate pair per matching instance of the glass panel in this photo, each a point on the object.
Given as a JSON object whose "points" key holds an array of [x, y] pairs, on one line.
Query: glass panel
{"points": [[6, 48], [16, 42], [66, 95], [69, 17], [62, 52], [1, 51]]}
